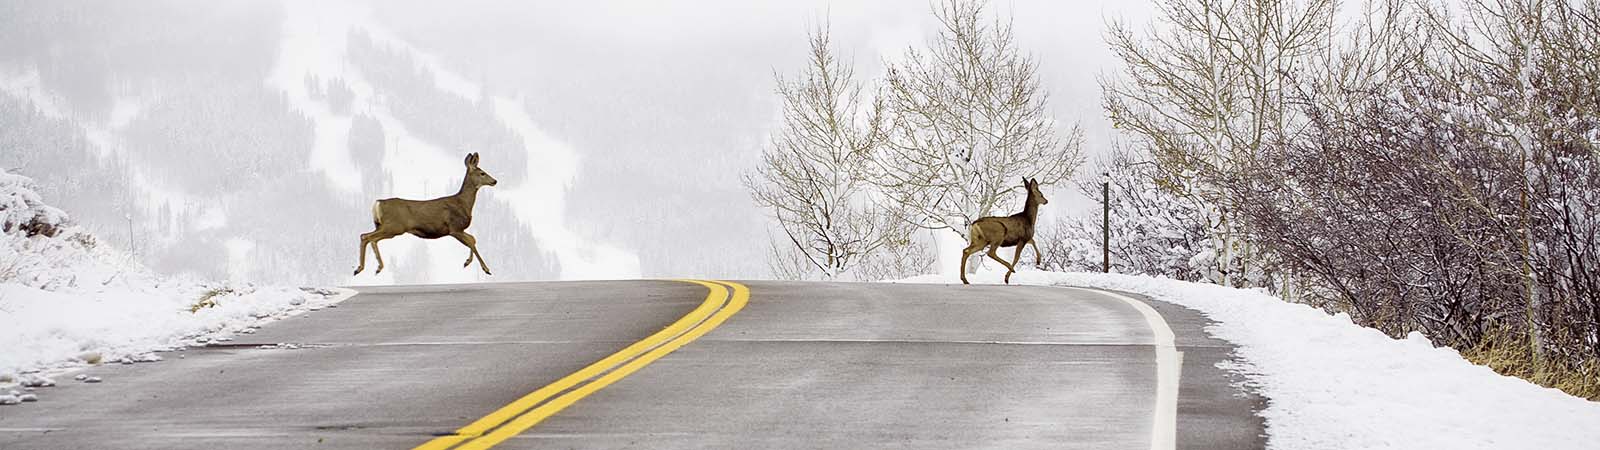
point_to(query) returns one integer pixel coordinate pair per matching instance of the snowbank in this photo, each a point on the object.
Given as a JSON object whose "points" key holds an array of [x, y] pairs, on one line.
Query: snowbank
{"points": [[1331, 384], [67, 300], [42, 330]]}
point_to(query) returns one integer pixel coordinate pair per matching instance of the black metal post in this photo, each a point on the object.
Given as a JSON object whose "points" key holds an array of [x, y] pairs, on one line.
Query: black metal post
{"points": [[1105, 223]]}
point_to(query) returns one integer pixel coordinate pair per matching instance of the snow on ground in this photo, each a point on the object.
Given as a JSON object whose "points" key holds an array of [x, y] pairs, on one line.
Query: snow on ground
{"points": [[46, 330], [67, 301], [1331, 384]]}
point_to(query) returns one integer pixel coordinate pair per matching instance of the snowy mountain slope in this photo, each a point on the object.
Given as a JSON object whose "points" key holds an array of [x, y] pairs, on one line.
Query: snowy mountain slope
{"points": [[1331, 384], [186, 153], [539, 168], [104, 139]]}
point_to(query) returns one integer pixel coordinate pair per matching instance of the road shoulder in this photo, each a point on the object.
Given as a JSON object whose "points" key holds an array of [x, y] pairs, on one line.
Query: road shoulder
{"points": [[1216, 407]]}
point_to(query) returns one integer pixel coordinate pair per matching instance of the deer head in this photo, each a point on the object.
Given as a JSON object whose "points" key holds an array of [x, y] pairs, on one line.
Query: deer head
{"points": [[1034, 194], [475, 175]]}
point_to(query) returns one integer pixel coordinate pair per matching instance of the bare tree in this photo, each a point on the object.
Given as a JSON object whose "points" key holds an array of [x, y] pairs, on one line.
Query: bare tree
{"points": [[968, 121], [1521, 77], [1209, 90], [814, 172], [1417, 170], [906, 256], [1457, 197]]}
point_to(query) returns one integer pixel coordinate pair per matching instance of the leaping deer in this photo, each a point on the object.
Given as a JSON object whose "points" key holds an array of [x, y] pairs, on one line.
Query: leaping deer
{"points": [[1013, 230], [429, 219]]}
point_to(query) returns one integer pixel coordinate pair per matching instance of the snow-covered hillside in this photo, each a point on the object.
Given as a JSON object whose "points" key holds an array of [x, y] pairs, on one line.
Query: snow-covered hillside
{"points": [[67, 300], [406, 91], [1331, 384]]}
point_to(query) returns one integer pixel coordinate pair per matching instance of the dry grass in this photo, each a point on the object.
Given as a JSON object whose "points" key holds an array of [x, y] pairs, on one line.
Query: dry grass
{"points": [[11, 266], [209, 299], [1509, 353]]}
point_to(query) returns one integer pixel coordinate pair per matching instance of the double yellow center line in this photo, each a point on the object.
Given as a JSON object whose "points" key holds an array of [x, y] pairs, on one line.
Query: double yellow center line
{"points": [[725, 300]]}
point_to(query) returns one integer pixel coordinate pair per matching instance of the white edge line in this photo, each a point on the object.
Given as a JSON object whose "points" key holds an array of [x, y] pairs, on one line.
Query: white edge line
{"points": [[1169, 366]]}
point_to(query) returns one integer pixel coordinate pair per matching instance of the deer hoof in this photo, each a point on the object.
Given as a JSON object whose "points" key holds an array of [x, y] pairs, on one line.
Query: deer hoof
{"points": [[358, 272]]}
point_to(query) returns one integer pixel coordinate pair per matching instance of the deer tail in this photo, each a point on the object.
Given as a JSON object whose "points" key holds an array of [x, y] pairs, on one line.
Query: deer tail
{"points": [[975, 232], [377, 214]]}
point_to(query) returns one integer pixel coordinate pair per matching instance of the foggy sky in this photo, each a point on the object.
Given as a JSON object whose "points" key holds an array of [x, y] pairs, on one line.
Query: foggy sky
{"points": [[702, 72]]}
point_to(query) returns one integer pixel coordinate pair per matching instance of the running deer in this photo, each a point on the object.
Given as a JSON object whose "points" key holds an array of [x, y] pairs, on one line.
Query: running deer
{"points": [[1015, 230], [429, 219]]}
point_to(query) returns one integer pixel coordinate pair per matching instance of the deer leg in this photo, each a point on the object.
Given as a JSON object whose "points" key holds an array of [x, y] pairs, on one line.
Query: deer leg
{"points": [[1038, 258], [1014, 258], [364, 243], [966, 254], [472, 244], [1003, 262], [376, 252]]}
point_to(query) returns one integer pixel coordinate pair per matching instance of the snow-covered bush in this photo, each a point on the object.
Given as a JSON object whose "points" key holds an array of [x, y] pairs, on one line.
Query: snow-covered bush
{"points": [[22, 210], [1203, 92], [1153, 230], [41, 248]]}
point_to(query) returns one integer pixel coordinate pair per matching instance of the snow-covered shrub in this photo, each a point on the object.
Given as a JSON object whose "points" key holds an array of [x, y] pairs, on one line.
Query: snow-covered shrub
{"points": [[22, 210], [1153, 230], [41, 248]]}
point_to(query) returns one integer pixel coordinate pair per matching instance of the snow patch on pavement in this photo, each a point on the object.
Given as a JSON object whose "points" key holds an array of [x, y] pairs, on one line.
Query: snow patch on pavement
{"points": [[42, 330], [1331, 384]]}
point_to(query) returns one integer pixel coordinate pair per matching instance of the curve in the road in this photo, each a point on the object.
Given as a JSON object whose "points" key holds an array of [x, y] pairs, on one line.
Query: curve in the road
{"points": [[1169, 366], [820, 365], [724, 300]]}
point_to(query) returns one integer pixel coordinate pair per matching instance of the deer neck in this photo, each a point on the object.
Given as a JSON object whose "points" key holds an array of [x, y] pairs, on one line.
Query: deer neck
{"points": [[468, 196], [1030, 210]]}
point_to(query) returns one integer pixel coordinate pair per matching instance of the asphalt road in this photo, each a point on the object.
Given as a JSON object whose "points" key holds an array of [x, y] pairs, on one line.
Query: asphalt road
{"points": [[802, 365]]}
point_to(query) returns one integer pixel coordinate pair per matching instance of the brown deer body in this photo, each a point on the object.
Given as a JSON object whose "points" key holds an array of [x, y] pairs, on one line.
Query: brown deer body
{"points": [[1015, 230], [430, 219]]}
